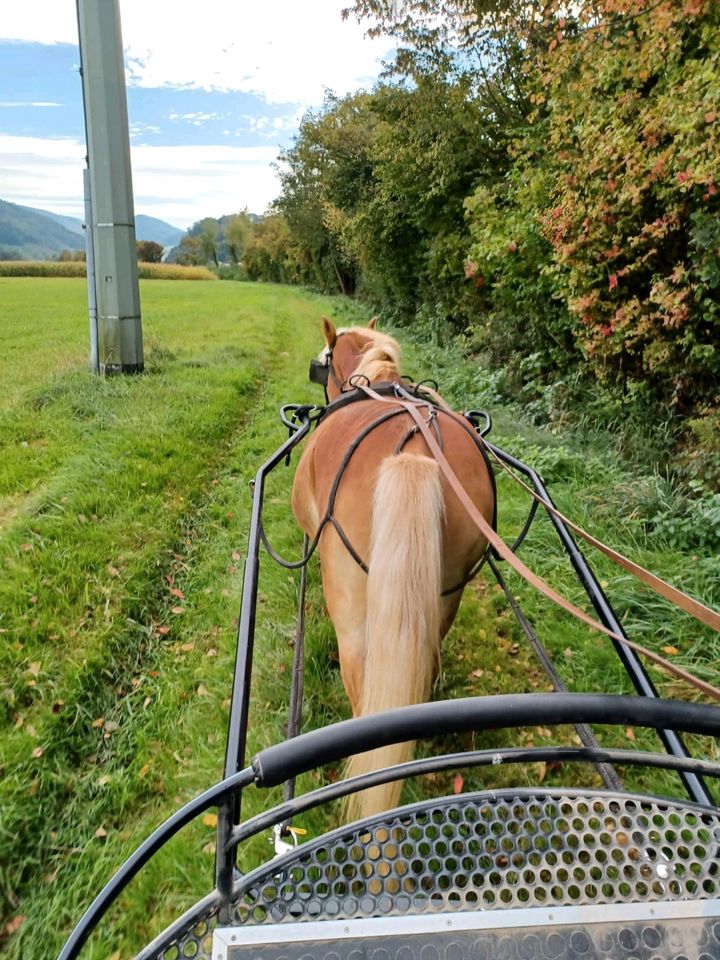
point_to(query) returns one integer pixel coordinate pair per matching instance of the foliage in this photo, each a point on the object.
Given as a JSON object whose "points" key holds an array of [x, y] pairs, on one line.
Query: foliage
{"points": [[68, 256], [149, 252], [238, 231], [604, 235], [216, 242]]}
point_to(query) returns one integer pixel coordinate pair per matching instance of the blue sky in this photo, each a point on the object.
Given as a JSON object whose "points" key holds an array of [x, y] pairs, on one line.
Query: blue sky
{"points": [[210, 99]]}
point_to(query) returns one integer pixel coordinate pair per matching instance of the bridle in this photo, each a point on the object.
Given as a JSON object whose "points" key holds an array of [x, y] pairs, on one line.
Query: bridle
{"points": [[322, 370]]}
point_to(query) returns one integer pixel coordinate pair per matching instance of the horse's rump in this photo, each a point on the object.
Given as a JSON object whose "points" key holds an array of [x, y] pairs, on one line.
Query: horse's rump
{"points": [[463, 544]]}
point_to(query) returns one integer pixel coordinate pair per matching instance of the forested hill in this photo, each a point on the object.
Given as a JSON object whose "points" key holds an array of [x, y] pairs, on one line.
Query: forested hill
{"points": [[32, 234], [541, 179]]}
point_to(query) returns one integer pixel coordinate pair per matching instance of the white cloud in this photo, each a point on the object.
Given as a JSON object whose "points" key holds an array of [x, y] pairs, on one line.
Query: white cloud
{"points": [[177, 184], [286, 51], [28, 103]]}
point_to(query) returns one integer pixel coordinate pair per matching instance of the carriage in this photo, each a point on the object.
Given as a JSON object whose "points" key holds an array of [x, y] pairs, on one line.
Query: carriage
{"points": [[497, 874]]}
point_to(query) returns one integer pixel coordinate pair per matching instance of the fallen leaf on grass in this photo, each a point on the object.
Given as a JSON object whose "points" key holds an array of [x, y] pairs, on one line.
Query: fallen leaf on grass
{"points": [[163, 631], [478, 673], [210, 819], [202, 691], [113, 571], [177, 593], [670, 650], [37, 752], [630, 733], [98, 723], [235, 555], [177, 609], [458, 784], [13, 925], [101, 833], [143, 771], [187, 647]]}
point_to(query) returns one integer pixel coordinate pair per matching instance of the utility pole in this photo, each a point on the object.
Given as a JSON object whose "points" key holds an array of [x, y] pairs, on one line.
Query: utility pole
{"points": [[111, 225]]}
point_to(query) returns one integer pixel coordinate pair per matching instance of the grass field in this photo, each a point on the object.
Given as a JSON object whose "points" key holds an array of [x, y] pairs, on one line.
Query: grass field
{"points": [[123, 510]]}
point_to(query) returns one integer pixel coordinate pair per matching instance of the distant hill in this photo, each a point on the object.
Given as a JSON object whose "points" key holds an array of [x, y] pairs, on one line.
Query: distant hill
{"points": [[150, 228], [28, 233]]}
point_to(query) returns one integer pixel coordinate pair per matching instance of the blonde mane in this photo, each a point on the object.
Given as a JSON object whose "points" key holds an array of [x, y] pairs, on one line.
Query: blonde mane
{"points": [[381, 356]]}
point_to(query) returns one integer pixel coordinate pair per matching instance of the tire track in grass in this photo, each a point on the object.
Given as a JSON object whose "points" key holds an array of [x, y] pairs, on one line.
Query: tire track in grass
{"points": [[85, 784]]}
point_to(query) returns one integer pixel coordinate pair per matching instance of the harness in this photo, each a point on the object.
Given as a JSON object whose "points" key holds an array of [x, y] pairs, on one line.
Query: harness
{"points": [[392, 393], [405, 402]]}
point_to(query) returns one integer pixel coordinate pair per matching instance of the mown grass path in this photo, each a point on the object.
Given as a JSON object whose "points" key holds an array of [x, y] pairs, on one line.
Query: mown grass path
{"points": [[123, 511]]}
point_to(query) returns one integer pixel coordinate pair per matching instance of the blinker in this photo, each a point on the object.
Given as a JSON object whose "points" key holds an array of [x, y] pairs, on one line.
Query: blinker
{"points": [[319, 372]]}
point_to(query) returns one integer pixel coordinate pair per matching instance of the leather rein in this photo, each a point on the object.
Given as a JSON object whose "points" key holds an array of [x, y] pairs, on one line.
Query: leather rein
{"points": [[699, 611]]}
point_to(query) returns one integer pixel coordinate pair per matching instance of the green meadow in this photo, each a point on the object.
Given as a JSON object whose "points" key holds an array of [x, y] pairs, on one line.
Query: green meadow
{"points": [[123, 516]]}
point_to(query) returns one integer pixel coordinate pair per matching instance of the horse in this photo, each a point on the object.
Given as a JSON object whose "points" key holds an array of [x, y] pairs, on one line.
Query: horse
{"points": [[396, 546]]}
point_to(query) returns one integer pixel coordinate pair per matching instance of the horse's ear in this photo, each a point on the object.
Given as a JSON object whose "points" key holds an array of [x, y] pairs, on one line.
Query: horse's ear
{"points": [[373, 323], [329, 332]]}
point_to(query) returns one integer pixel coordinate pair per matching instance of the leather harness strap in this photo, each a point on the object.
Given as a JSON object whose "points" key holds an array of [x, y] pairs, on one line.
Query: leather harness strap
{"points": [[706, 615], [696, 609], [485, 528]]}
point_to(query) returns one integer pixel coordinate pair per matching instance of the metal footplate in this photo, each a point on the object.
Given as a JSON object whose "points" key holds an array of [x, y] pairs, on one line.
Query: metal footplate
{"points": [[670, 931]]}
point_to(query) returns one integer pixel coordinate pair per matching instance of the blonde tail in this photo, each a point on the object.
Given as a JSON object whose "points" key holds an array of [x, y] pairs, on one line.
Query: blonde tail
{"points": [[402, 631]]}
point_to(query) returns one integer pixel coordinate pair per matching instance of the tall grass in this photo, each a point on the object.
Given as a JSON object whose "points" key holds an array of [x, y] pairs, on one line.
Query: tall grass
{"points": [[146, 271]]}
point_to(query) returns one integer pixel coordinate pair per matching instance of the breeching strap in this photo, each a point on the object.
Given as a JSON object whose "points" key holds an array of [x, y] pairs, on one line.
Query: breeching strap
{"points": [[699, 611]]}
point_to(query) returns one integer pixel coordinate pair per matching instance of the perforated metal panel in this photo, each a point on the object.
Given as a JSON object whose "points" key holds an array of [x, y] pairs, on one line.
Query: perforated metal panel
{"points": [[512, 849]]}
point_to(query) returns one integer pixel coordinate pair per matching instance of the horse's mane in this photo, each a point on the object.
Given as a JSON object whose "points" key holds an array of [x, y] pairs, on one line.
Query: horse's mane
{"points": [[380, 358]]}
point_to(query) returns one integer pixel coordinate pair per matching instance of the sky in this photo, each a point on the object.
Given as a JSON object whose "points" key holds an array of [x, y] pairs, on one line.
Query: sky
{"points": [[214, 90]]}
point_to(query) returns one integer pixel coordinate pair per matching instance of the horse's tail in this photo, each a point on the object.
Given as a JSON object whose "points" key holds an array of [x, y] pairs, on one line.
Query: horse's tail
{"points": [[402, 634]]}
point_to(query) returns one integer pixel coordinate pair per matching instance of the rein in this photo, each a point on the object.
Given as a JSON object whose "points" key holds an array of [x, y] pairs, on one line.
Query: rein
{"points": [[696, 609]]}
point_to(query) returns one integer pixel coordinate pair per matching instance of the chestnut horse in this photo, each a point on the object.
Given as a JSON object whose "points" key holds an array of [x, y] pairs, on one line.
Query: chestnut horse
{"points": [[402, 520]]}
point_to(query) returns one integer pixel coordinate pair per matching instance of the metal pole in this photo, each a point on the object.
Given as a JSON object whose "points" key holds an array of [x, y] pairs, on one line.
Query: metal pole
{"points": [[90, 264], [117, 292]]}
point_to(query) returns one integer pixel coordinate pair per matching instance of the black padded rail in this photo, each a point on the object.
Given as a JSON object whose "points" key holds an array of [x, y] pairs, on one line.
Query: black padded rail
{"points": [[427, 720]]}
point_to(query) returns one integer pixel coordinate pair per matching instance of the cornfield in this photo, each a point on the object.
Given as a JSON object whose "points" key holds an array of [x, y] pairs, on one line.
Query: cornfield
{"points": [[146, 271]]}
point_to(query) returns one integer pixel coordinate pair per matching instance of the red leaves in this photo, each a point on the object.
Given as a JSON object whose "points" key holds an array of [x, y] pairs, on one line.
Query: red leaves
{"points": [[458, 784], [612, 281]]}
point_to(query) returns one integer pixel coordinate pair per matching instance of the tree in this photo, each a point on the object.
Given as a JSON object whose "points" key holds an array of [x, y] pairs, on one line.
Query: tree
{"points": [[209, 239], [190, 251], [237, 235], [149, 252]]}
